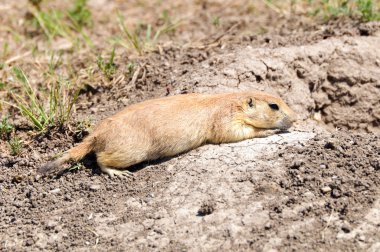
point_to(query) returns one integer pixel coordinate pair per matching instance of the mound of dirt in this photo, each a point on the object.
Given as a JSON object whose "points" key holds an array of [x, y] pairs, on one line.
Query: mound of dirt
{"points": [[298, 190], [338, 78]]}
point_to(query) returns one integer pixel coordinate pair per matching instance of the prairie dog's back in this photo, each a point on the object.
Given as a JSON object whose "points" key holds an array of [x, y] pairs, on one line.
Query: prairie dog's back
{"points": [[181, 122]]}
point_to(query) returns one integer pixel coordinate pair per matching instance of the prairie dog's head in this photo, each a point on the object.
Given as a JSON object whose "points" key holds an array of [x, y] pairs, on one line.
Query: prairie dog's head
{"points": [[265, 111]]}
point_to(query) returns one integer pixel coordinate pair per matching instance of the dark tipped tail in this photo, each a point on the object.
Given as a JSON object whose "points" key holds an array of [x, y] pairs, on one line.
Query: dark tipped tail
{"points": [[55, 165], [74, 154]]}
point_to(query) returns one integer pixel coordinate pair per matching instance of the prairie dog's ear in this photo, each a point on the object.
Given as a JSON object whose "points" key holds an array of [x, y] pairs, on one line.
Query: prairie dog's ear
{"points": [[251, 103]]}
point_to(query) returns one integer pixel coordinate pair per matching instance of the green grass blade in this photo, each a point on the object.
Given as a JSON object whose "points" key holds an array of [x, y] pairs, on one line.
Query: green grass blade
{"points": [[25, 110]]}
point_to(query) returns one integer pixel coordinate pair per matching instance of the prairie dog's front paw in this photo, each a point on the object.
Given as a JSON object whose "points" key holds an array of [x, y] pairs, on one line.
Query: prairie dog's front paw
{"points": [[268, 132]]}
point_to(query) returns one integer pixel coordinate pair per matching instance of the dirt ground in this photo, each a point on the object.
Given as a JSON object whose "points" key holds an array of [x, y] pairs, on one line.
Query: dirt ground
{"points": [[314, 188]]}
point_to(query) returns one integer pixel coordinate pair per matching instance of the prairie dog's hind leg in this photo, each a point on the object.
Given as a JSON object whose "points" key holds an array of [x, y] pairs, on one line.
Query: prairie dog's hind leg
{"points": [[114, 164], [115, 172]]}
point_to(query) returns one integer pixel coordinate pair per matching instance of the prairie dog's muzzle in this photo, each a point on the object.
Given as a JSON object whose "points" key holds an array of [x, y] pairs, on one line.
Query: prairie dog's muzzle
{"points": [[287, 122]]}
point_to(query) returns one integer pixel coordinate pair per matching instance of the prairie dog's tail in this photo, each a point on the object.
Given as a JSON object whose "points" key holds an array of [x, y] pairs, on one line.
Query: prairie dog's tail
{"points": [[75, 154]]}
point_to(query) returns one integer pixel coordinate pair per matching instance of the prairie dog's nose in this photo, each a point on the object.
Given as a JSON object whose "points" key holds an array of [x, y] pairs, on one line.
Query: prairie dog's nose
{"points": [[288, 120]]}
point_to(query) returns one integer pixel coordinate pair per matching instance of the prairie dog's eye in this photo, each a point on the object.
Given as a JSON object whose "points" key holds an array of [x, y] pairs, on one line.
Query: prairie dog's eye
{"points": [[273, 106], [250, 103]]}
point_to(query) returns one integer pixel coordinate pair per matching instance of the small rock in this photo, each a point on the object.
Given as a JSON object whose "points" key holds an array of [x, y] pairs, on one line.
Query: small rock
{"points": [[296, 164], [340, 149], [148, 200], [325, 189], [309, 195], [268, 226], [375, 164], [55, 191], [33, 203], [94, 187], [29, 242], [207, 207], [317, 116], [361, 238], [336, 193], [17, 204], [323, 166], [51, 224], [346, 228], [36, 156]]}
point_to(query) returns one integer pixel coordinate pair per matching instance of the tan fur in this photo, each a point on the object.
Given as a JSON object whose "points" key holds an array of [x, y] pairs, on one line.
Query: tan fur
{"points": [[168, 126]]}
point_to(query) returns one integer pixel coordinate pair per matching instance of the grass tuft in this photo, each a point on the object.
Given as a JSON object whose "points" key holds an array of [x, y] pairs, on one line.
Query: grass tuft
{"points": [[76, 167], [143, 38], [368, 10], [55, 112], [82, 129], [63, 23], [107, 68], [6, 128], [80, 14], [364, 10], [15, 145]]}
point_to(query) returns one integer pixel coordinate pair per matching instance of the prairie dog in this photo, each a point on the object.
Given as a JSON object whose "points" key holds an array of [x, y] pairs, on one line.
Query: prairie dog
{"points": [[168, 126]]}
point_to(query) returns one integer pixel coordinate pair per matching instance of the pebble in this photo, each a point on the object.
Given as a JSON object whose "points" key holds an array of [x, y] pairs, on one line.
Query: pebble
{"points": [[55, 191], [268, 226], [361, 238], [29, 242], [36, 156], [94, 187], [326, 189], [336, 193], [296, 164], [51, 224], [346, 228], [309, 195]]}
